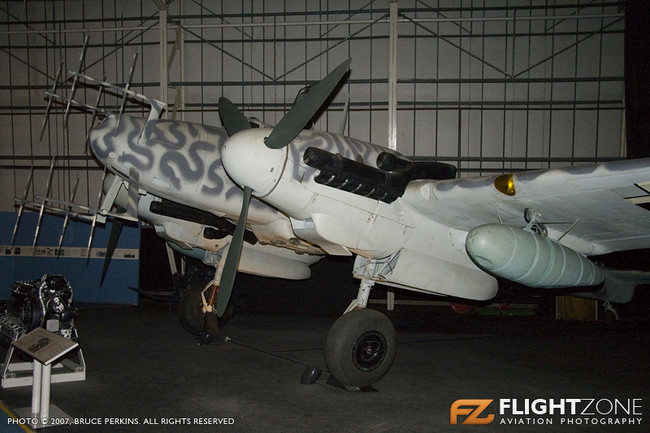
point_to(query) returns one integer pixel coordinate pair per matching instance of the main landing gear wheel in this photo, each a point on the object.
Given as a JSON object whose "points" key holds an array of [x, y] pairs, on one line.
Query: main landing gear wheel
{"points": [[192, 317], [360, 347]]}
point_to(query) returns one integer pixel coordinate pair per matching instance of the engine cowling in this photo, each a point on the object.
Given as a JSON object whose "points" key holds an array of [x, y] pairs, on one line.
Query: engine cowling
{"points": [[529, 259]]}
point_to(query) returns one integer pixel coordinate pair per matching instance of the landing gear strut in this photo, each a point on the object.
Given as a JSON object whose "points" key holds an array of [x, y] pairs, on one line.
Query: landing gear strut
{"points": [[361, 345], [197, 313], [195, 318]]}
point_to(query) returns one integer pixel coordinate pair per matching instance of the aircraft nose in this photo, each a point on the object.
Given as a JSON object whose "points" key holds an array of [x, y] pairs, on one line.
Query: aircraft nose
{"points": [[250, 163], [101, 140]]}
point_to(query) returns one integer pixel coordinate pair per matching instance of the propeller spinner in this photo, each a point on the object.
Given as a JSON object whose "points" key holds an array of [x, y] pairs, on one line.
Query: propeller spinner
{"points": [[241, 159]]}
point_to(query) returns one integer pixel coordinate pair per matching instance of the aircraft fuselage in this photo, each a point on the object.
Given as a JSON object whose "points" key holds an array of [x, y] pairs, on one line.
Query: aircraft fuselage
{"points": [[405, 248]]}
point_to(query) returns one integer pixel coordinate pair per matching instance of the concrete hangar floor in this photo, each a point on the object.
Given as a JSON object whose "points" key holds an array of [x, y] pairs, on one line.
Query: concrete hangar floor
{"points": [[145, 373]]}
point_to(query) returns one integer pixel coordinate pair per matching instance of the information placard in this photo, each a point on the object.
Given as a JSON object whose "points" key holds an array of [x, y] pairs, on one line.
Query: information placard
{"points": [[44, 346]]}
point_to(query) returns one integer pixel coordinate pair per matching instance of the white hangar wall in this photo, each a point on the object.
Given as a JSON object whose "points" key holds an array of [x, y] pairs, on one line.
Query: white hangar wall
{"points": [[489, 86]]}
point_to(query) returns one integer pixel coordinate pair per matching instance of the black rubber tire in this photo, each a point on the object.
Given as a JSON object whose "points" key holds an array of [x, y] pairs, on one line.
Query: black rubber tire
{"points": [[190, 311], [191, 316], [360, 347]]}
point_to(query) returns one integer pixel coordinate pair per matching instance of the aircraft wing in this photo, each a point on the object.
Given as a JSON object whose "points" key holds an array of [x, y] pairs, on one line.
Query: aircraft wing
{"points": [[603, 202]]}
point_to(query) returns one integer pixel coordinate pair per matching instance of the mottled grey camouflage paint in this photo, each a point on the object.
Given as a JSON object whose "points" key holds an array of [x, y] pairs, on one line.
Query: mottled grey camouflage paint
{"points": [[183, 155], [176, 149]]}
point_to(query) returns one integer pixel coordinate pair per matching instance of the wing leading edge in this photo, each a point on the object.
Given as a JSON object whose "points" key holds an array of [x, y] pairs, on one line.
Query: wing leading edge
{"points": [[603, 202]]}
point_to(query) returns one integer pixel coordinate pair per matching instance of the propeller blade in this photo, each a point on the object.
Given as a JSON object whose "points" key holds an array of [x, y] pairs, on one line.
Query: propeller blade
{"points": [[116, 231], [233, 119], [234, 253], [305, 108], [134, 193], [95, 217]]}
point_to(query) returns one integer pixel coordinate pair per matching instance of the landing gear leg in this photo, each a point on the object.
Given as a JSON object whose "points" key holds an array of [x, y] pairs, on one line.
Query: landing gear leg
{"points": [[211, 329], [197, 312], [362, 296], [361, 345]]}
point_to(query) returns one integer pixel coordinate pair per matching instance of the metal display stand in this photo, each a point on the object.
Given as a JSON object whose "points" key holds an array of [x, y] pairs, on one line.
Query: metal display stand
{"points": [[16, 373], [44, 347]]}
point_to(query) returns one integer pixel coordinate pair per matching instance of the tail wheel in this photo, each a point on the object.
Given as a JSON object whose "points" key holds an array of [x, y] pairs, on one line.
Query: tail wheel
{"points": [[360, 348]]}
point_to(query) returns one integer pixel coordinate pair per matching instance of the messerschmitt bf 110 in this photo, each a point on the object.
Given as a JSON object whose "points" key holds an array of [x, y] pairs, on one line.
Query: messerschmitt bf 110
{"points": [[411, 225], [169, 174]]}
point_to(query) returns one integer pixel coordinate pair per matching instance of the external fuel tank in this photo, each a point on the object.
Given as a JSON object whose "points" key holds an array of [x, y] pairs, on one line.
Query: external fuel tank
{"points": [[529, 259]]}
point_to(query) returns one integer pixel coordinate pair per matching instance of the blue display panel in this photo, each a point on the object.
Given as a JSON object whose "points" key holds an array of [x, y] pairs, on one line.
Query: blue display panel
{"points": [[22, 262]]}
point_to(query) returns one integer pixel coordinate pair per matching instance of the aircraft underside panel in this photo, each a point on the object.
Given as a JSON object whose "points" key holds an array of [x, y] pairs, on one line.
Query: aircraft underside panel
{"points": [[423, 273], [257, 262]]}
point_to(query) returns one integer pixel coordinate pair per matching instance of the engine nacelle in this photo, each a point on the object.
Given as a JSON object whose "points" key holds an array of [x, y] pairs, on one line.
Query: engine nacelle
{"points": [[529, 259]]}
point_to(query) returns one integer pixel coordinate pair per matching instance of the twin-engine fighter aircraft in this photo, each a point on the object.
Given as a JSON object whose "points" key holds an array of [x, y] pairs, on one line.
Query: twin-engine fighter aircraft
{"points": [[411, 225], [414, 226], [169, 174]]}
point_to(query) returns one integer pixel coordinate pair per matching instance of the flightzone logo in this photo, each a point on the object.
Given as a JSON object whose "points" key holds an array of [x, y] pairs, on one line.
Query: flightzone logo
{"points": [[563, 411], [472, 410]]}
